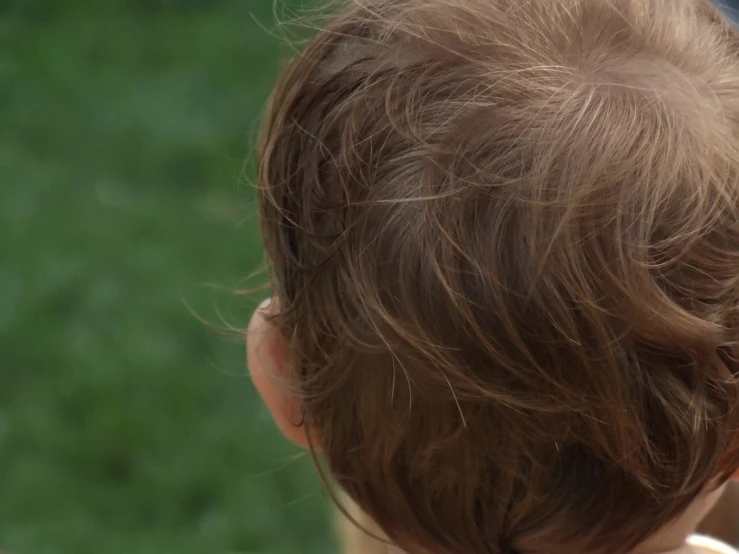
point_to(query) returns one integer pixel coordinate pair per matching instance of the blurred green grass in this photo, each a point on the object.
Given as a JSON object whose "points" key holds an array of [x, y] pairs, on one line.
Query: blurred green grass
{"points": [[125, 424]]}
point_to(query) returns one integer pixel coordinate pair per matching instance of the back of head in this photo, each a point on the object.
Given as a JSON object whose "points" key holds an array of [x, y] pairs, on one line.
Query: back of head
{"points": [[505, 240]]}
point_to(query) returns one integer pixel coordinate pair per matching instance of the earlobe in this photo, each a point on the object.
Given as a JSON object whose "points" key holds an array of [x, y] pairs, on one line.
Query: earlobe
{"points": [[266, 358]]}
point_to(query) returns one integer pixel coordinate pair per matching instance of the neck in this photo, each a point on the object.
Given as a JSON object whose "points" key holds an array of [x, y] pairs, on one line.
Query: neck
{"points": [[673, 538]]}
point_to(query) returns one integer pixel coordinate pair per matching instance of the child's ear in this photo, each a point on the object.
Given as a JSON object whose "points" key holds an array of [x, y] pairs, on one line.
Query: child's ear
{"points": [[266, 356]]}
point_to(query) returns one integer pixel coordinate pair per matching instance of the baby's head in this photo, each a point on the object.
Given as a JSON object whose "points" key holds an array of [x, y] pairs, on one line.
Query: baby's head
{"points": [[505, 247]]}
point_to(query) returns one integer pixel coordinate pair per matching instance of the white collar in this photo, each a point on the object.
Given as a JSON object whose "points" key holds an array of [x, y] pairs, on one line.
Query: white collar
{"points": [[711, 545]]}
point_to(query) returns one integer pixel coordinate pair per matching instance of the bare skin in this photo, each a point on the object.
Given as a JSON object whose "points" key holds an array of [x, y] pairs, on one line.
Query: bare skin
{"points": [[723, 521]]}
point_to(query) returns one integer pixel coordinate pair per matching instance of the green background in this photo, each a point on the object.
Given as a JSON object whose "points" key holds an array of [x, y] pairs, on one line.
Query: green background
{"points": [[126, 424]]}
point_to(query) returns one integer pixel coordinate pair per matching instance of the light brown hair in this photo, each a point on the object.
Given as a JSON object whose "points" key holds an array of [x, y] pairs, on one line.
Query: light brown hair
{"points": [[504, 237]]}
